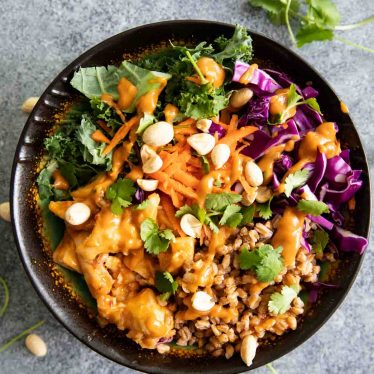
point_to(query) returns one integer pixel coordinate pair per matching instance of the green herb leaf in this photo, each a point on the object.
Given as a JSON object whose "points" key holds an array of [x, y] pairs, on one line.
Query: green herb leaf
{"points": [[231, 216], [155, 241], [276, 9], [312, 102], [324, 13], [143, 205], [238, 47], [219, 202], [120, 194], [146, 121], [92, 151], [313, 207], [265, 261], [311, 33], [280, 302], [264, 209], [201, 101], [165, 284], [320, 240], [217, 183], [297, 179], [205, 164], [248, 213], [94, 81]]}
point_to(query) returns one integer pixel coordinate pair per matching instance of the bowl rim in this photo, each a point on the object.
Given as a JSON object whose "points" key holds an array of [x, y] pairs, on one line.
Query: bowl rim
{"points": [[14, 203]]}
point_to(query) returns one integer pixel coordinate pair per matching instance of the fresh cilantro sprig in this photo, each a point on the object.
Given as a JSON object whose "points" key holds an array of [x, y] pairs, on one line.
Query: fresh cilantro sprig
{"points": [[319, 22], [143, 205], [264, 209], [312, 207], [120, 194], [294, 100], [320, 240], [280, 302], [165, 284], [155, 240], [295, 180], [220, 201], [265, 261]]}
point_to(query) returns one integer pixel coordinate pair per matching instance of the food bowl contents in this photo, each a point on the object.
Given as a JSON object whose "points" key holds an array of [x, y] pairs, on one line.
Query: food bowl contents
{"points": [[203, 196]]}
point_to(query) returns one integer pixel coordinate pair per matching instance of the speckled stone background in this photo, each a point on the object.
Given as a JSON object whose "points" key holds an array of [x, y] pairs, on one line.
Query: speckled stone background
{"points": [[39, 37]]}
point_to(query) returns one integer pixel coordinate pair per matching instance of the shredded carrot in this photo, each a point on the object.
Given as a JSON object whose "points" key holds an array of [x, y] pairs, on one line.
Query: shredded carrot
{"points": [[177, 186], [187, 122], [185, 130], [233, 126], [193, 161], [170, 213], [105, 127], [121, 134], [168, 159], [233, 137], [99, 137], [186, 179], [176, 198]]}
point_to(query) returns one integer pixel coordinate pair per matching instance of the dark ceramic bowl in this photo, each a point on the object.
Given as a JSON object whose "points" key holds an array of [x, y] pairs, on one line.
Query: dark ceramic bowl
{"points": [[36, 260]]}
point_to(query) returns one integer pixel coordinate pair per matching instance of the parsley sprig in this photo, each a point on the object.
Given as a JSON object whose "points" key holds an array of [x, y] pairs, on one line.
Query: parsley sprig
{"points": [[265, 261], [318, 22]]}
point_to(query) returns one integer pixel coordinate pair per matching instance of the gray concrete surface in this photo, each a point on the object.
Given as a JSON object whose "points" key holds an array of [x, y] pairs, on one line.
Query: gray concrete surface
{"points": [[39, 37]]}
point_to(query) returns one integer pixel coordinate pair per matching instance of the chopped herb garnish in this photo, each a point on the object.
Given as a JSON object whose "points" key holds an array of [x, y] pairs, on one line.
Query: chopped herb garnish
{"points": [[120, 194], [265, 261], [155, 240], [312, 207], [220, 201], [297, 179], [320, 240], [165, 284], [280, 302]]}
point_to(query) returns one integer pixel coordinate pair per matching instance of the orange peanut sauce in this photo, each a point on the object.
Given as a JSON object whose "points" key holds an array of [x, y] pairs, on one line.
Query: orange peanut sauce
{"points": [[247, 76]]}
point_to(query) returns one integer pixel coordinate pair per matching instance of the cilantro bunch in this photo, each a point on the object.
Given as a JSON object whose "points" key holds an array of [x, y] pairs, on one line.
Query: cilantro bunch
{"points": [[316, 20]]}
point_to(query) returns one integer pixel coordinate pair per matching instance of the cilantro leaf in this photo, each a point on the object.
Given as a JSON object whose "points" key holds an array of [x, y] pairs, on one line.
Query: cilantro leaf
{"points": [[297, 179], [219, 202], [313, 207], [155, 241], [310, 33], [280, 302], [312, 102], [231, 216], [211, 224], [265, 261], [165, 282], [320, 239], [120, 194], [248, 213], [264, 209], [292, 96], [276, 9], [323, 13]]}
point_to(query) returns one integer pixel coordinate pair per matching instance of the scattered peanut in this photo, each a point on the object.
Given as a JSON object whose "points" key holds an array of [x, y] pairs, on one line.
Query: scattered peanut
{"points": [[77, 214], [191, 226], [5, 211], [220, 155], [204, 124], [147, 184], [152, 162], [29, 104], [202, 143], [240, 97], [249, 197], [158, 134], [248, 349], [253, 174], [263, 194], [36, 345], [202, 301]]}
